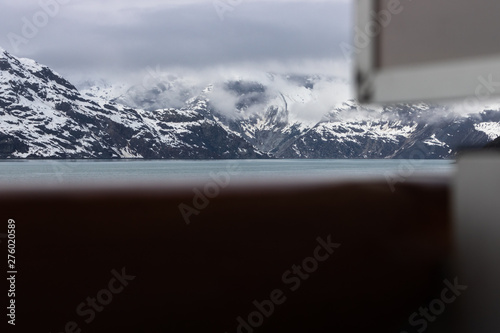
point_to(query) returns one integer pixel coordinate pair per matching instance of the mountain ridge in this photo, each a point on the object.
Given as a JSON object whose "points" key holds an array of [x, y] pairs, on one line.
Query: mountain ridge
{"points": [[45, 116]]}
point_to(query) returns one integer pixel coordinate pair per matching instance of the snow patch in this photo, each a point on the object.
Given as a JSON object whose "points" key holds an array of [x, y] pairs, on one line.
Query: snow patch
{"points": [[491, 129], [433, 141]]}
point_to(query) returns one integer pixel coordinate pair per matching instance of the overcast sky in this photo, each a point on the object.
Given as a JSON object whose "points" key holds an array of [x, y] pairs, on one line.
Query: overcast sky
{"points": [[125, 36]]}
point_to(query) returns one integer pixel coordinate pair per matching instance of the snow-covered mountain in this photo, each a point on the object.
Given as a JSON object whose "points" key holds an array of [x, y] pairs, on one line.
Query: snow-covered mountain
{"points": [[352, 131], [42, 115]]}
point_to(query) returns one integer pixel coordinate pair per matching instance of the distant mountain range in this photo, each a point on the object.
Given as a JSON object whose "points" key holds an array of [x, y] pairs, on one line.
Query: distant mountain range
{"points": [[42, 115]]}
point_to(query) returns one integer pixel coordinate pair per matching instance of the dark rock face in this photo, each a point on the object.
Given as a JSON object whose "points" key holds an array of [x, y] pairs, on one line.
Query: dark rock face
{"points": [[44, 116], [10, 145], [494, 144]]}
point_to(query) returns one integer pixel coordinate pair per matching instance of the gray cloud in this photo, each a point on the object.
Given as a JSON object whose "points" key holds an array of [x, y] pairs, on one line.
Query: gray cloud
{"points": [[118, 37]]}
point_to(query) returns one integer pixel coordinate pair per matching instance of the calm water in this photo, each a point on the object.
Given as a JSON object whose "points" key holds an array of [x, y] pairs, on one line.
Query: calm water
{"points": [[167, 171]]}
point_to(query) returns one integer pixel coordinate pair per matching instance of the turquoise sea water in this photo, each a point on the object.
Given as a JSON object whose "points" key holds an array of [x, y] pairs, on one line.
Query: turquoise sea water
{"points": [[36, 172]]}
